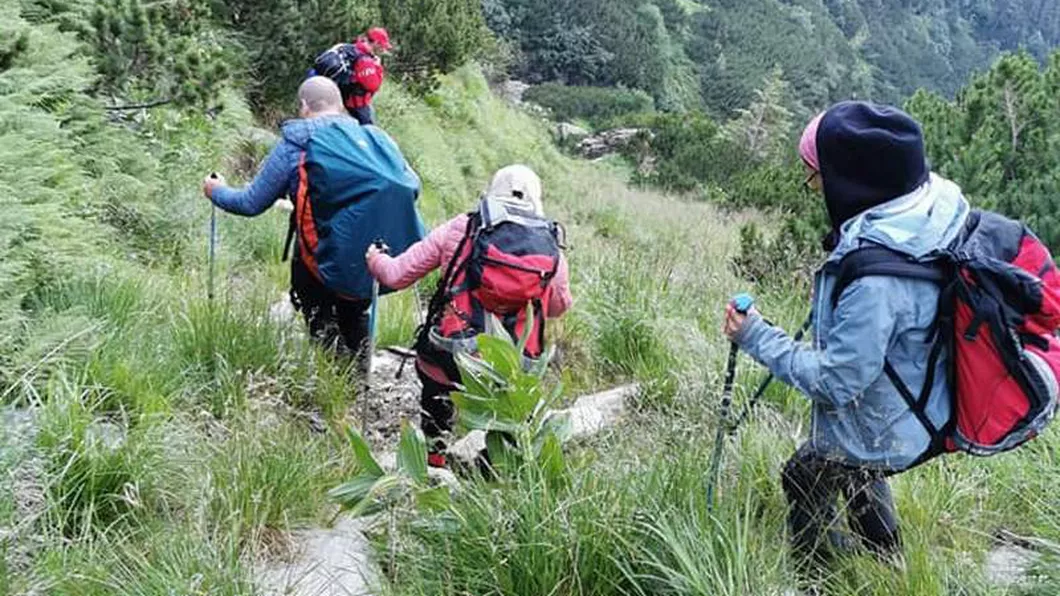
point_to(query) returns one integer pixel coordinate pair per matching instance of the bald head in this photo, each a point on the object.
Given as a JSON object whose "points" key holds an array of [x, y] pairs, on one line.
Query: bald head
{"points": [[318, 96]]}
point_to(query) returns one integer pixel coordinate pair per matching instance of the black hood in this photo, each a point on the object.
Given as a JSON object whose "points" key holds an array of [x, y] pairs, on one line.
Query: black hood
{"points": [[869, 155]]}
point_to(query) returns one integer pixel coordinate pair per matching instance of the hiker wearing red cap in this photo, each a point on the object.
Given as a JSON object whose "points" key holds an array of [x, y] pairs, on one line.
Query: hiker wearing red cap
{"points": [[357, 70]]}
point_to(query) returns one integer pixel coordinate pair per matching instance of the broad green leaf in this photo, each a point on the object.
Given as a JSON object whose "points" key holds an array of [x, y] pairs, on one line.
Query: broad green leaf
{"points": [[363, 453], [474, 403], [433, 499], [374, 501], [559, 425], [500, 355], [479, 377], [440, 523], [539, 368], [487, 421], [350, 494], [412, 453]]}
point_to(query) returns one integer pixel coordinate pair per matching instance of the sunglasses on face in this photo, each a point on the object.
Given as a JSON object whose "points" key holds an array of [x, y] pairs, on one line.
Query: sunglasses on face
{"points": [[808, 182]]}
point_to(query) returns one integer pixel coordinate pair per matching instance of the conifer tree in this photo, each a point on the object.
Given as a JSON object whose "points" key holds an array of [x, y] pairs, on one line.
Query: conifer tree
{"points": [[153, 53]]}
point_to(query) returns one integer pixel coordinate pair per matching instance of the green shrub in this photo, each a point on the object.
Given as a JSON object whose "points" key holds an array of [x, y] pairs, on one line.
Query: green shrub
{"points": [[596, 105], [145, 51]]}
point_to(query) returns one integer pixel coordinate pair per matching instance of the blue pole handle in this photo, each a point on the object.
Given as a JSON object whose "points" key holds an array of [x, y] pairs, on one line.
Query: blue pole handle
{"points": [[743, 303]]}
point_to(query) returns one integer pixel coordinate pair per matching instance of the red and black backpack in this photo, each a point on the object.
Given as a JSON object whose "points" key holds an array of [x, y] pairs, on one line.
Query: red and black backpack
{"points": [[505, 262], [999, 311]]}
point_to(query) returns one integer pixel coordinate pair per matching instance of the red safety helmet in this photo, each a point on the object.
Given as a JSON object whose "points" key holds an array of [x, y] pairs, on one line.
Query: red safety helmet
{"points": [[379, 38]]}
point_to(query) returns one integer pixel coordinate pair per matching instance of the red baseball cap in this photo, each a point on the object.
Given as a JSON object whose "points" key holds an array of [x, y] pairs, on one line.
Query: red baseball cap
{"points": [[379, 37]]}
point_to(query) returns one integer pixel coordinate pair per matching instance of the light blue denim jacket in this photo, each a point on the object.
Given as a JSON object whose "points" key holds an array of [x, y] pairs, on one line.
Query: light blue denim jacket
{"points": [[859, 418]]}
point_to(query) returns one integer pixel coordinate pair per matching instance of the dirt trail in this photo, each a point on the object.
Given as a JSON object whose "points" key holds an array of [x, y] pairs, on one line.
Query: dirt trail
{"points": [[338, 561]]}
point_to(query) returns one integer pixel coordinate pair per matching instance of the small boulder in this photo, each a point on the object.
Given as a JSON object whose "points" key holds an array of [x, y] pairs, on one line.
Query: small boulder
{"points": [[513, 91], [608, 142], [565, 132]]}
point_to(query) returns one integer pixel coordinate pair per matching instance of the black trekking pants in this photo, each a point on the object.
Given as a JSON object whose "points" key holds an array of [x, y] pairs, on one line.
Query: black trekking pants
{"points": [[436, 409], [812, 486], [364, 115], [338, 324]]}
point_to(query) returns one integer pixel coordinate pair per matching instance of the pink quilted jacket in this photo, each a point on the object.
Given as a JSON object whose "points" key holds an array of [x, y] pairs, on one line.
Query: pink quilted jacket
{"points": [[437, 250]]}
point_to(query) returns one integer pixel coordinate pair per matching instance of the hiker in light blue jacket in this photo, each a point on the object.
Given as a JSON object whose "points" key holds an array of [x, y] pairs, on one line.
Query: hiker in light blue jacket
{"points": [[868, 161]]}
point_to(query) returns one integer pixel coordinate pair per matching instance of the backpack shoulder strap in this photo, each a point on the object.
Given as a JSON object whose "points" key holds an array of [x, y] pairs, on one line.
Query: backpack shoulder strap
{"points": [[877, 260], [292, 226], [441, 293]]}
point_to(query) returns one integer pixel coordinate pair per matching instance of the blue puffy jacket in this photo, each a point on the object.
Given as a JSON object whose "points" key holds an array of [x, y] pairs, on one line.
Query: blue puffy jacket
{"points": [[278, 176]]}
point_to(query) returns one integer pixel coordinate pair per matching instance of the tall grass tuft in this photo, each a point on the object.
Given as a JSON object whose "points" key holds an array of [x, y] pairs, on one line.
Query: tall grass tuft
{"points": [[269, 477], [98, 472]]}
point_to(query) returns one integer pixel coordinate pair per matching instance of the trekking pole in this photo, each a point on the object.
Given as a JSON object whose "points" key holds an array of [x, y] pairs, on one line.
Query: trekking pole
{"points": [[419, 313], [213, 247], [742, 303], [373, 318], [766, 382]]}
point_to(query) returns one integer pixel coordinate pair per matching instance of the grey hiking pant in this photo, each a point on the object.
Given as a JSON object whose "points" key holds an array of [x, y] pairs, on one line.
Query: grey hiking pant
{"points": [[813, 485]]}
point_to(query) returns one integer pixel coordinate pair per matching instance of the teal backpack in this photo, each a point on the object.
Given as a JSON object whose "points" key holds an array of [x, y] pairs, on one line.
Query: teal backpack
{"points": [[355, 188]]}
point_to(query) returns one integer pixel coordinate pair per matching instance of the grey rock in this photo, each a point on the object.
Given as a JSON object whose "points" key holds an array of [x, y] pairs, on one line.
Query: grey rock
{"points": [[1008, 566], [608, 142], [282, 311], [513, 91], [322, 562], [565, 132]]}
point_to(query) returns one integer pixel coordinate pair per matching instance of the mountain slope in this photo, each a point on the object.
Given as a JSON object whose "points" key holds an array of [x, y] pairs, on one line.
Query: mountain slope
{"points": [[828, 49]]}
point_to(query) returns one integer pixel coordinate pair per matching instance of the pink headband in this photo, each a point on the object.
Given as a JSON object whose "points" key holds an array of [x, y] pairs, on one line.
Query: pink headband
{"points": [[808, 143]]}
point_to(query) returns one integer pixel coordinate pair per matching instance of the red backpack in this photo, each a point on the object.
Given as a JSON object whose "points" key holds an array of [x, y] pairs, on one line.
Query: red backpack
{"points": [[506, 261], [999, 311]]}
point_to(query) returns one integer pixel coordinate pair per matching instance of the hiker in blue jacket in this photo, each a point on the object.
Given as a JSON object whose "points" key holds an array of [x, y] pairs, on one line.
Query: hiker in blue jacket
{"points": [[868, 161], [330, 317]]}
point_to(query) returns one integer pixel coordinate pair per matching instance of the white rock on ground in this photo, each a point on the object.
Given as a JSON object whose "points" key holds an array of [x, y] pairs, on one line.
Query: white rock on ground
{"points": [[590, 414], [19, 542], [512, 91], [1008, 566], [282, 311], [566, 131], [324, 562], [608, 142]]}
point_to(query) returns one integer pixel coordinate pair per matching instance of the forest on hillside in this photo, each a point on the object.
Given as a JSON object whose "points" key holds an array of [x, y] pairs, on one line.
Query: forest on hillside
{"points": [[692, 53]]}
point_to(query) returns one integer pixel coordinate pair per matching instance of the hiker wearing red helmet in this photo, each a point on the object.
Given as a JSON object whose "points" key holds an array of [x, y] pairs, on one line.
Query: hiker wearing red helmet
{"points": [[357, 70]]}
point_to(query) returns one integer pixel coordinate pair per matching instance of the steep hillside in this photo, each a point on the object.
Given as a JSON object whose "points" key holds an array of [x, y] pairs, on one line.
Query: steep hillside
{"points": [[722, 50]]}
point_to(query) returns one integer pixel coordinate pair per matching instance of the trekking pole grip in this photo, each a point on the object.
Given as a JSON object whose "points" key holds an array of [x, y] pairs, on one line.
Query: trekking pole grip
{"points": [[742, 303]]}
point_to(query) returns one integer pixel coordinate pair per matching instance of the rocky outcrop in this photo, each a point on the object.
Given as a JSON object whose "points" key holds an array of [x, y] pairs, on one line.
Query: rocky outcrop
{"points": [[322, 562], [565, 133], [513, 91], [610, 141]]}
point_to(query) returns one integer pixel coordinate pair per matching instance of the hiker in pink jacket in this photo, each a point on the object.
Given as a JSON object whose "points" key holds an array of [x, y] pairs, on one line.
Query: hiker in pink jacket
{"points": [[517, 187]]}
